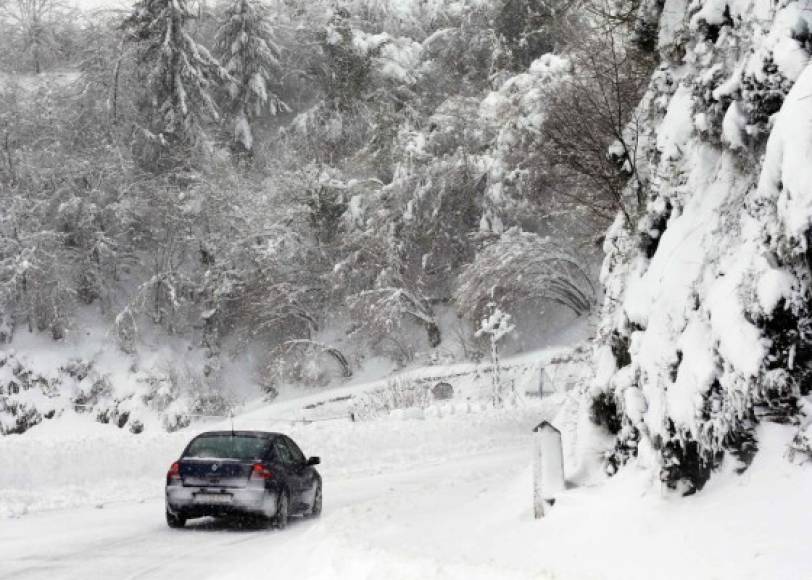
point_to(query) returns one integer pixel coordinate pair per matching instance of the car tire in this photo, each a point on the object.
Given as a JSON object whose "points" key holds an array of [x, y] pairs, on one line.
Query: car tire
{"points": [[315, 509], [175, 520], [280, 520]]}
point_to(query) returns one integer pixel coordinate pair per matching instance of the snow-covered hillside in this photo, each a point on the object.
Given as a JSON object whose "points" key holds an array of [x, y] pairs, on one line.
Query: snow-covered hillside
{"points": [[707, 310]]}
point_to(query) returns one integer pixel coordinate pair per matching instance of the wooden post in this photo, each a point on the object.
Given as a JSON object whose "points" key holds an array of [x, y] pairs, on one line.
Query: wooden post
{"points": [[548, 468]]}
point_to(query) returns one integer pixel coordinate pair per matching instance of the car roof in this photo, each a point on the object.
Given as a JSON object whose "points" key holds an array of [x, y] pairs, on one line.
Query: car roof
{"points": [[262, 434]]}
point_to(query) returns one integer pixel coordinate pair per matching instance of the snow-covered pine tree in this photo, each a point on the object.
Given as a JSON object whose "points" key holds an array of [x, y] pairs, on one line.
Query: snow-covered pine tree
{"points": [[245, 44], [344, 72], [178, 75], [524, 29]]}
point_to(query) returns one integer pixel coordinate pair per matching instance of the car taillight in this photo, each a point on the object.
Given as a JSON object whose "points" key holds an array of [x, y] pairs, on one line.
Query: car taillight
{"points": [[259, 471], [173, 474]]}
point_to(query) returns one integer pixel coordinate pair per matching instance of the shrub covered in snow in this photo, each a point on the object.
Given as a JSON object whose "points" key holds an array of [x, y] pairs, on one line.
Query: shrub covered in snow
{"points": [[397, 395], [30, 394]]}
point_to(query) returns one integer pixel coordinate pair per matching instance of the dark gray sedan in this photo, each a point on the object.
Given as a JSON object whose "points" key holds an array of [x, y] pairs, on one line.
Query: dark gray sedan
{"points": [[247, 473]]}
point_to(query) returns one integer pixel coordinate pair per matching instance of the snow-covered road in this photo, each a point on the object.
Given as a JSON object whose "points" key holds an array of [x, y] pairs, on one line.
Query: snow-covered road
{"points": [[467, 516], [394, 518]]}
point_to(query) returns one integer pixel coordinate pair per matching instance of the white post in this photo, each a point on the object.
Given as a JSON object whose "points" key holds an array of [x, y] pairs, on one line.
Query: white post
{"points": [[538, 502], [548, 468]]}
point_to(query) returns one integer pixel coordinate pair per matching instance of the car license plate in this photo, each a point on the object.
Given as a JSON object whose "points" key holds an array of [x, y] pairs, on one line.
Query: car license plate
{"points": [[218, 498]]}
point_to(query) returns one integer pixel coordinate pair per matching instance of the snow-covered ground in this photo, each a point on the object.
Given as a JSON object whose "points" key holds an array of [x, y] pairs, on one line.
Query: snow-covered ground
{"points": [[92, 463], [440, 493]]}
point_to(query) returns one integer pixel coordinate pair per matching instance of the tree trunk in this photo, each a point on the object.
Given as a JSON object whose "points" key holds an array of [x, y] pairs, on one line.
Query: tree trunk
{"points": [[433, 332]]}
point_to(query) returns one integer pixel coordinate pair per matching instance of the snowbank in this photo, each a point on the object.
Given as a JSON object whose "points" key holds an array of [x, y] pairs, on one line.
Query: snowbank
{"points": [[787, 173]]}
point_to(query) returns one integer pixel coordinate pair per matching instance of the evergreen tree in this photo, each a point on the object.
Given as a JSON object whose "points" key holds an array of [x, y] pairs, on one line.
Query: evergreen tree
{"points": [[177, 72], [245, 44], [344, 72], [530, 28]]}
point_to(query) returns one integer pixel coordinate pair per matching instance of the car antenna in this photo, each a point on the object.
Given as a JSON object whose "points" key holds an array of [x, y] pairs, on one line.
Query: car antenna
{"points": [[231, 416]]}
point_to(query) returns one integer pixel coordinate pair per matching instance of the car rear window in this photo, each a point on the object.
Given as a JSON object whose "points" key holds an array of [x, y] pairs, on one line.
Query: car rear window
{"points": [[227, 447]]}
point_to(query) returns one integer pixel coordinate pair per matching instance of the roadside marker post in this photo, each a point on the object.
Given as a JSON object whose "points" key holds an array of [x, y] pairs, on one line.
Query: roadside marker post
{"points": [[548, 468]]}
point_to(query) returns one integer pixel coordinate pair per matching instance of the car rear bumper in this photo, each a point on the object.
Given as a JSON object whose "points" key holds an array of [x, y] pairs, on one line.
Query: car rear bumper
{"points": [[189, 502]]}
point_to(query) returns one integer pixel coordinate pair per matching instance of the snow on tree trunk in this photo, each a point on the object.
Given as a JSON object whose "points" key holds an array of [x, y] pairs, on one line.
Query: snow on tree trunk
{"points": [[496, 326]]}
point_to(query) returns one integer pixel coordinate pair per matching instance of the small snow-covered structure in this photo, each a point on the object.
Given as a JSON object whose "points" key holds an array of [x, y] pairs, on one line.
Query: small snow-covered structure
{"points": [[548, 467], [442, 391]]}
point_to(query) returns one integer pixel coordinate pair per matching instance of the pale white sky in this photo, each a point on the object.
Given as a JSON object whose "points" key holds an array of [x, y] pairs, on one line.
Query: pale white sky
{"points": [[92, 5]]}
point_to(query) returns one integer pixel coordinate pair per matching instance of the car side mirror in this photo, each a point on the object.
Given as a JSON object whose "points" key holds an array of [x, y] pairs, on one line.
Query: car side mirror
{"points": [[314, 461]]}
